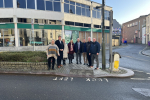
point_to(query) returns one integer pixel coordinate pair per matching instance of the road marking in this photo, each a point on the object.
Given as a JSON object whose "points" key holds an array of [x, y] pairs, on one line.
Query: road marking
{"points": [[55, 79], [100, 79], [106, 79], [147, 73], [94, 79], [71, 78], [87, 79], [148, 77], [66, 78], [137, 70], [135, 58], [61, 79], [140, 78]]}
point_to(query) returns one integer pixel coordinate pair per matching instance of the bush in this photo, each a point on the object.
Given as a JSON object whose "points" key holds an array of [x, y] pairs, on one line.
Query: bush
{"points": [[26, 56]]}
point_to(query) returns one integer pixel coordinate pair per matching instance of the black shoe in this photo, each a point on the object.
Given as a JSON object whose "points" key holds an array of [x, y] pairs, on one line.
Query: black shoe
{"points": [[77, 62], [84, 64], [53, 69], [64, 63], [80, 63]]}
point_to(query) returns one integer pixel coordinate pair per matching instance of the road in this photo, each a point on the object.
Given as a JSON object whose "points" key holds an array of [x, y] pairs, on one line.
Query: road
{"points": [[25, 87]]}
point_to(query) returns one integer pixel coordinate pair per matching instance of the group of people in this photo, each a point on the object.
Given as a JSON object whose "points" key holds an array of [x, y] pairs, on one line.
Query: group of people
{"points": [[61, 51]]}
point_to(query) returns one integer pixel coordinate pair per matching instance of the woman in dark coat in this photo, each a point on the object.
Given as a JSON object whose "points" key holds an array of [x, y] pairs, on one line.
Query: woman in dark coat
{"points": [[71, 51]]}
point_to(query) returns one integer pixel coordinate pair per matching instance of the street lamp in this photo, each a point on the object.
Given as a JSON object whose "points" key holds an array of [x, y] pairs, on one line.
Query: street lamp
{"points": [[103, 35]]}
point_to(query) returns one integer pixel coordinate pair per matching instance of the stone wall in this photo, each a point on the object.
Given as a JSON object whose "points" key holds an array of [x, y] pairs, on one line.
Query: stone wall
{"points": [[23, 66]]}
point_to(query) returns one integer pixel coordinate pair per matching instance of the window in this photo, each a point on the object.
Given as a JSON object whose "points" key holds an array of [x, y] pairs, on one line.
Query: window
{"points": [[66, 1], [30, 4], [69, 23], [8, 3], [99, 13], [96, 26], [94, 14], [87, 25], [2, 20], [1, 3], [49, 5], [107, 27], [83, 11], [78, 24], [78, 9], [88, 12], [107, 17], [51, 35], [40, 5], [72, 9], [21, 3], [24, 20], [57, 6], [66, 8]]}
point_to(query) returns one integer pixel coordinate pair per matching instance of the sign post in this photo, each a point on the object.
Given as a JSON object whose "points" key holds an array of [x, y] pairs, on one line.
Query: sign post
{"points": [[33, 34]]}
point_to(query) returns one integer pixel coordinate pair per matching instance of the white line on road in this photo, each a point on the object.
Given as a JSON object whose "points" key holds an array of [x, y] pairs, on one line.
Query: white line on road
{"points": [[140, 79], [55, 79], [100, 79], [147, 73], [106, 79], [137, 70]]}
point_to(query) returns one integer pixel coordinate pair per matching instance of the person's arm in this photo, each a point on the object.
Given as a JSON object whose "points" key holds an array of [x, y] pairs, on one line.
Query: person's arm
{"points": [[90, 50], [57, 50], [98, 48]]}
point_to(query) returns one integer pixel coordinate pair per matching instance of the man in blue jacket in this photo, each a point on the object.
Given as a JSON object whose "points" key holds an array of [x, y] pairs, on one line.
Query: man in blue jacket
{"points": [[78, 50], [94, 52]]}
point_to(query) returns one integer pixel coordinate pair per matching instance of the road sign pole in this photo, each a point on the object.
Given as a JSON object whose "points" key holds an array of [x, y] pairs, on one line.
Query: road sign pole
{"points": [[33, 34], [110, 40]]}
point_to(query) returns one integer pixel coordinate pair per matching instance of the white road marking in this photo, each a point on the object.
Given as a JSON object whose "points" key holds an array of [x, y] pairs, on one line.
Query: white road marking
{"points": [[61, 79], [94, 79], [55, 79], [137, 70], [148, 77], [106, 79], [140, 78], [66, 78], [71, 78], [147, 73], [100, 79], [87, 79]]}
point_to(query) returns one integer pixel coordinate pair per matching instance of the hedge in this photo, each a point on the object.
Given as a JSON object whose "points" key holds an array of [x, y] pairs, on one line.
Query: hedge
{"points": [[25, 56]]}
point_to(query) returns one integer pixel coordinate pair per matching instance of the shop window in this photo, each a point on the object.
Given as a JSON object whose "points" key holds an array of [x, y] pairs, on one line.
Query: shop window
{"points": [[69, 23], [1, 3], [87, 25], [57, 6], [52, 21], [30, 4], [8, 3], [96, 26], [5, 20], [107, 27], [40, 5], [49, 5], [21, 3], [24, 20], [78, 24]]}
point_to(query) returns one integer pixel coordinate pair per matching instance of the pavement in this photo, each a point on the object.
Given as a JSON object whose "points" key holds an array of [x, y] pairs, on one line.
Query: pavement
{"points": [[77, 70], [146, 51]]}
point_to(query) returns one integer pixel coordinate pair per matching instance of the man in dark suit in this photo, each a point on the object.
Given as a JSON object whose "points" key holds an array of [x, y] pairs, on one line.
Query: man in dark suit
{"points": [[60, 45], [78, 50]]}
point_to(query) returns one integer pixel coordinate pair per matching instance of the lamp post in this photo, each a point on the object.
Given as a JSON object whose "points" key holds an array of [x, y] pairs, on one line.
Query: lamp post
{"points": [[103, 35]]}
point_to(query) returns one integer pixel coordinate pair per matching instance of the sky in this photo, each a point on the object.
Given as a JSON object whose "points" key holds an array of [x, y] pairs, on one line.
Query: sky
{"points": [[126, 10]]}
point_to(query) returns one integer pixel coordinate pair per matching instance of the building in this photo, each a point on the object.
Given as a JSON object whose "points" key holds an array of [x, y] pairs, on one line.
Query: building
{"points": [[71, 19], [134, 30], [147, 29], [116, 34]]}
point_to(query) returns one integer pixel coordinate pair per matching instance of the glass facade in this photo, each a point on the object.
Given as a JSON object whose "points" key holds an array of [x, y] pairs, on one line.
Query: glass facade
{"points": [[57, 6], [41, 37], [7, 38], [49, 5], [21, 3], [6, 3], [107, 17], [96, 13]]}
